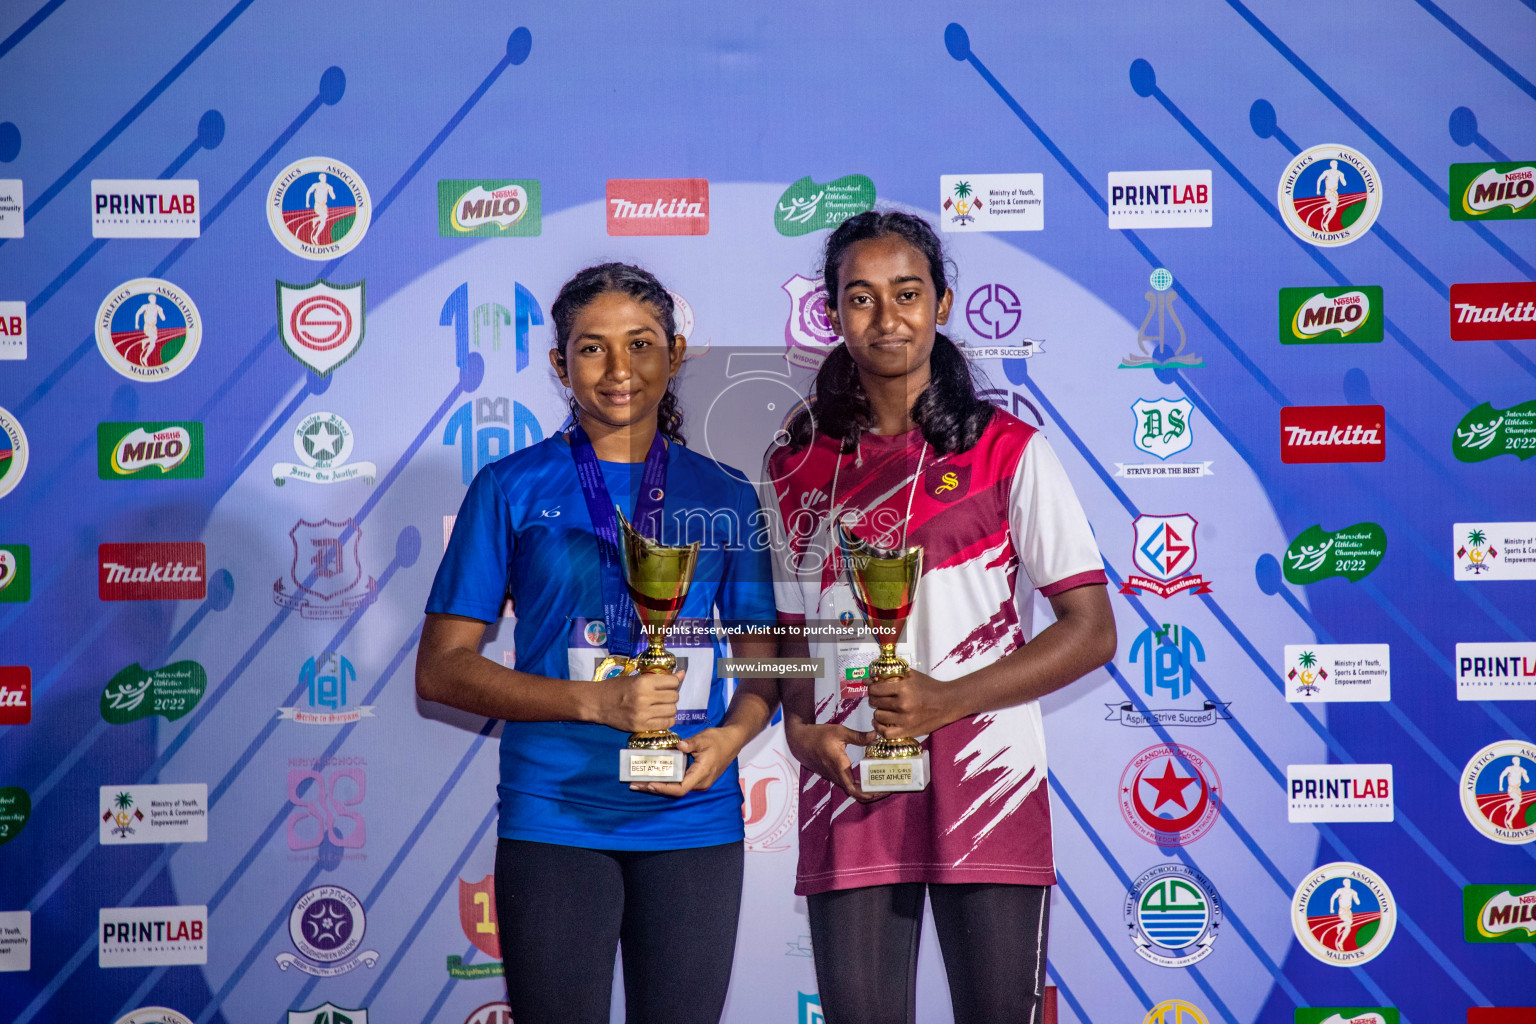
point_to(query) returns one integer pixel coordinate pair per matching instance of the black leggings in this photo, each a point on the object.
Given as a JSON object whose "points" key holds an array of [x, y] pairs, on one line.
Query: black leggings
{"points": [[563, 910], [992, 936]]}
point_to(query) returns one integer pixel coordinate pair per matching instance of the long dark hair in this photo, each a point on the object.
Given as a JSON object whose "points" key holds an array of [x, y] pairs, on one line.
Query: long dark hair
{"points": [[949, 412], [641, 285]]}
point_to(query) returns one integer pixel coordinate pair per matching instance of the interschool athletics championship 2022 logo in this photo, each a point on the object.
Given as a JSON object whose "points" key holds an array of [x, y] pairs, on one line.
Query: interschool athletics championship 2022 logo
{"points": [[1497, 794], [319, 208], [1330, 195], [148, 329], [1343, 914]]}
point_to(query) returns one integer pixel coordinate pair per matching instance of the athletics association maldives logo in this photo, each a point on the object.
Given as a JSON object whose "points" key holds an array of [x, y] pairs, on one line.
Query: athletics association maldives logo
{"points": [[1330, 195], [1170, 794], [1343, 914], [326, 926], [326, 580], [1497, 792], [1164, 549], [319, 208], [323, 442], [14, 452], [148, 329], [320, 323], [808, 334], [1173, 914]]}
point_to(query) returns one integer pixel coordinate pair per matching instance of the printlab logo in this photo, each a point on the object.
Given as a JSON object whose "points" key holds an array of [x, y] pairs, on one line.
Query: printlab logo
{"points": [[171, 813], [1329, 195], [136, 692], [477, 916], [14, 452], [993, 311], [149, 451], [486, 429], [1346, 1015], [1503, 311], [1164, 549], [658, 206], [162, 571], [1160, 199], [323, 442], [1495, 551], [807, 206], [13, 330], [1486, 433], [808, 334], [325, 819], [1155, 352], [15, 694], [1499, 913], [1333, 433], [15, 809], [1499, 191], [1338, 672], [15, 564], [1331, 316], [1339, 792], [768, 810], [152, 936], [326, 926], [1316, 554], [319, 208], [328, 1013], [144, 209], [1162, 427], [325, 679], [1156, 798], [503, 208], [1497, 794], [321, 324], [1167, 655], [148, 329], [992, 202], [1343, 914], [1498, 671], [326, 579], [1173, 914]]}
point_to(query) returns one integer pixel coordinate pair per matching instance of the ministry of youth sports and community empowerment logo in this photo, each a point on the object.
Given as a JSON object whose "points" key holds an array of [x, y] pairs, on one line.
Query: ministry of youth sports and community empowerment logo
{"points": [[1498, 791], [1330, 195], [1343, 914], [148, 329], [319, 208]]}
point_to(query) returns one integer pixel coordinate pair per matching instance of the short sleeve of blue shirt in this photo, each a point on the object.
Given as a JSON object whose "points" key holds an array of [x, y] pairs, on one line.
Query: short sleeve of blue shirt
{"points": [[523, 532]]}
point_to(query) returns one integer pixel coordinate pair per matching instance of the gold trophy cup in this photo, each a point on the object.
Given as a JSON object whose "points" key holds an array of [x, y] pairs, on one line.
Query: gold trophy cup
{"points": [[657, 577], [884, 587]]}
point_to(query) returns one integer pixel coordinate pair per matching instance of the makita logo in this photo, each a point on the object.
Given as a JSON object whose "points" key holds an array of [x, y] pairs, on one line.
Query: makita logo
{"points": [[152, 572], [1333, 433], [658, 206], [1493, 312]]}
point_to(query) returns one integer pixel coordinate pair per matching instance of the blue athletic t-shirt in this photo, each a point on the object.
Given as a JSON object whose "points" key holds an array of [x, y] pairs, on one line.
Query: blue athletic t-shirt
{"points": [[524, 532]]}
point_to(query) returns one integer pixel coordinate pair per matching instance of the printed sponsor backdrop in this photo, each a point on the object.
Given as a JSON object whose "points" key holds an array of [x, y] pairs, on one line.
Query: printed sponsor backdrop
{"points": [[274, 283]]}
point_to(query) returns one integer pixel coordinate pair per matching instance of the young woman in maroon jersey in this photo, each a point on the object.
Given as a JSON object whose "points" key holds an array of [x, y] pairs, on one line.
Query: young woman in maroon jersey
{"points": [[896, 434]]}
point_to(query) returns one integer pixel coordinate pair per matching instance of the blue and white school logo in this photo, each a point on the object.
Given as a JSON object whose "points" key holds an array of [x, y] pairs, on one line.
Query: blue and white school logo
{"points": [[1167, 655], [810, 1010], [1172, 913], [319, 208], [326, 679], [1163, 425]]}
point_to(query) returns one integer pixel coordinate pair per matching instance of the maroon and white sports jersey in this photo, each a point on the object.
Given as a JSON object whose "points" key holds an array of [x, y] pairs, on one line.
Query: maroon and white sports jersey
{"points": [[996, 523]]}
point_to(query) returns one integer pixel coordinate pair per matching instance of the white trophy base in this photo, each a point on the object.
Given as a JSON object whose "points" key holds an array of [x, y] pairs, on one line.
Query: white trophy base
{"points": [[894, 774], [651, 765]]}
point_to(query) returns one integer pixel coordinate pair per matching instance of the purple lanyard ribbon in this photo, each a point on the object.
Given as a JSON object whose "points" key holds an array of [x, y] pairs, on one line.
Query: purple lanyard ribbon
{"points": [[618, 611]]}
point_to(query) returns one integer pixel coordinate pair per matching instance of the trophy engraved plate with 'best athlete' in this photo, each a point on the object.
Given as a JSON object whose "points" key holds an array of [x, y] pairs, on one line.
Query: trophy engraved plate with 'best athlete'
{"points": [[884, 587], [657, 577]]}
